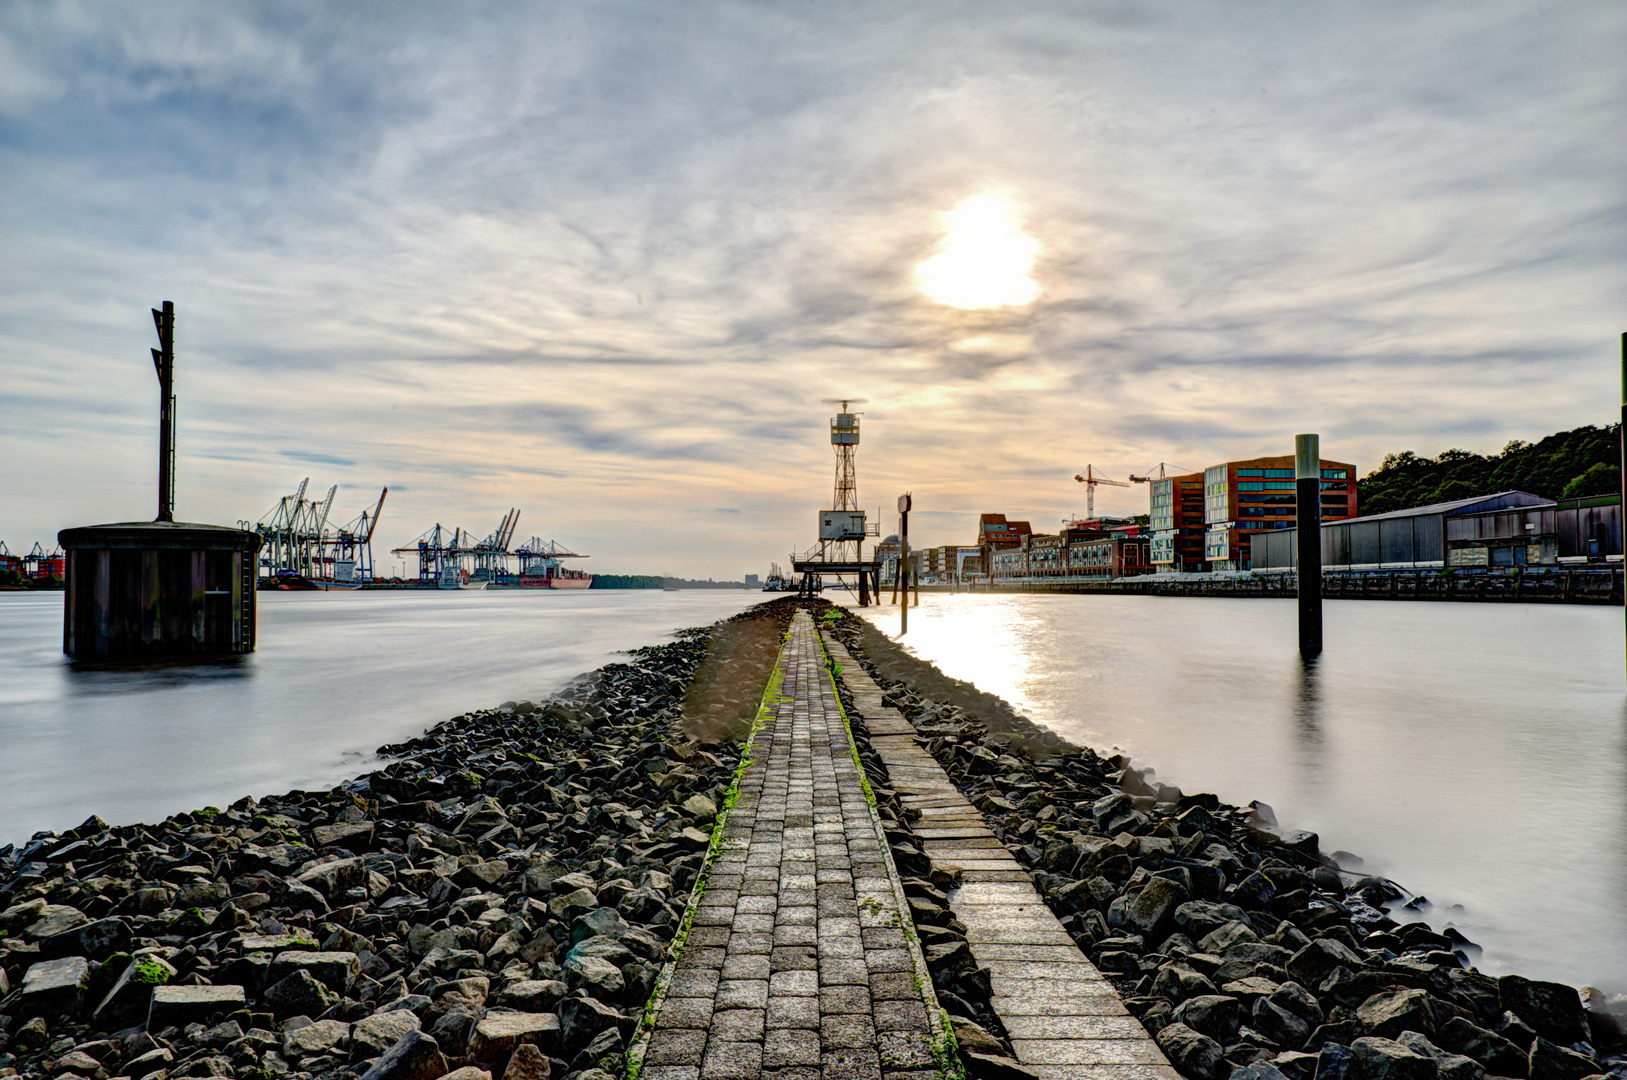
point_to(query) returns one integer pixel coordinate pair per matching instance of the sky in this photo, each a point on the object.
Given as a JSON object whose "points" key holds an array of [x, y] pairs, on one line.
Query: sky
{"points": [[604, 262]]}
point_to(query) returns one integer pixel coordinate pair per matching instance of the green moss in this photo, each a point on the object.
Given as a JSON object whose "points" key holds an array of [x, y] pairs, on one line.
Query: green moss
{"points": [[150, 972], [773, 695]]}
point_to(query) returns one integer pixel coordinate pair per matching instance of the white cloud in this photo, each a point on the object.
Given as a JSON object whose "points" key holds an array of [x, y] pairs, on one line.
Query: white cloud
{"points": [[603, 263]]}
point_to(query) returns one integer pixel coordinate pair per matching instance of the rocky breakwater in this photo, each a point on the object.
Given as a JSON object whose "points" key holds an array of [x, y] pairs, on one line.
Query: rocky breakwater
{"points": [[496, 901], [1248, 952]]}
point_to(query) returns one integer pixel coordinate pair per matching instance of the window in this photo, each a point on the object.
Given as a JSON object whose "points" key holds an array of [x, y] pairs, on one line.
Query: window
{"points": [[1334, 474], [1250, 472]]}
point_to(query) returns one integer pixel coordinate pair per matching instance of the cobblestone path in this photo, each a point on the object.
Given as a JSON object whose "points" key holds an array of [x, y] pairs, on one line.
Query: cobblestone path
{"points": [[797, 966], [1065, 1020]]}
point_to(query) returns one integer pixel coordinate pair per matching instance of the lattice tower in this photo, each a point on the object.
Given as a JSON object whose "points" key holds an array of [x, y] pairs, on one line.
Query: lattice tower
{"points": [[844, 439]]}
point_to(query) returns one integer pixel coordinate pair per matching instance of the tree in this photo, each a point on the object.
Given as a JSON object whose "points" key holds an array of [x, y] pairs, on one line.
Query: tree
{"points": [[1599, 479]]}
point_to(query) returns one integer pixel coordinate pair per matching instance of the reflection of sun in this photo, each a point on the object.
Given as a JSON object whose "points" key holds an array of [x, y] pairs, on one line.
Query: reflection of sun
{"points": [[984, 261]]}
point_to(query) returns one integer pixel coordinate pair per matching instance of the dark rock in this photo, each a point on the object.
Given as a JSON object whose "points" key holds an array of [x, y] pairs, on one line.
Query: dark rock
{"points": [[1336, 1061], [1276, 1023], [1196, 1055], [1548, 1061], [1497, 1054], [95, 940], [1254, 892], [1259, 1070], [1385, 1059], [1390, 1013], [178, 1006], [54, 986], [1515, 1030], [581, 1018], [1152, 910], [415, 1056], [1295, 1066], [1316, 961], [298, 995], [1214, 1015], [1177, 982], [1553, 1010], [335, 970], [1198, 918], [1299, 1001]]}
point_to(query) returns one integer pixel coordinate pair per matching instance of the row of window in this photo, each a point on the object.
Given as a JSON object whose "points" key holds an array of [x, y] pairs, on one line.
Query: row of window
{"points": [[1278, 474]]}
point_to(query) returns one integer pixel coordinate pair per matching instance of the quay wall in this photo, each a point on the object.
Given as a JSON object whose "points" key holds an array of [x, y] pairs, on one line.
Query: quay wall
{"points": [[1561, 585]]}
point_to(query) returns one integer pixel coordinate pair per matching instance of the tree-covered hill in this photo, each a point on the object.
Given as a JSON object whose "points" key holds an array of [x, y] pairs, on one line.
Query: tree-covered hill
{"points": [[1585, 461]]}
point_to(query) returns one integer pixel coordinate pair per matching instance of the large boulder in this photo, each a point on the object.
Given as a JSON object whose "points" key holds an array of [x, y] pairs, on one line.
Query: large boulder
{"points": [[179, 1006], [1385, 1059], [1553, 1010], [54, 986], [335, 970], [1278, 1024], [95, 940], [498, 1033], [298, 995], [1198, 918], [374, 1034], [1196, 1055], [1499, 1056], [1549, 1061], [1214, 1015], [1152, 910], [1390, 1012], [333, 877], [1316, 961], [1176, 982], [415, 1056]]}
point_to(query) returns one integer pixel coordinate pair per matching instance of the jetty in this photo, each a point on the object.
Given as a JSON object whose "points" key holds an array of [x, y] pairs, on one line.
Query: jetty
{"points": [[802, 959]]}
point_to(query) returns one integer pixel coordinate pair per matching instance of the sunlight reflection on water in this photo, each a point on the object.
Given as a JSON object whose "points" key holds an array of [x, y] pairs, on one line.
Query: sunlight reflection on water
{"points": [[1475, 753]]}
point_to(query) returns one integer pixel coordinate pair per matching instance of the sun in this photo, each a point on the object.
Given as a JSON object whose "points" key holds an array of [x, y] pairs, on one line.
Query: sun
{"points": [[985, 258]]}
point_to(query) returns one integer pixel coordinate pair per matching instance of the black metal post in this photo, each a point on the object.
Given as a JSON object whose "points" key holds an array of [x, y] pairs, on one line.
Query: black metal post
{"points": [[904, 502], [1622, 435], [1308, 534], [164, 361]]}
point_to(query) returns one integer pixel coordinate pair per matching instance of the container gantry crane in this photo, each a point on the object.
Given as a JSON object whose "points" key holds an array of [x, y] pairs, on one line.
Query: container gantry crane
{"points": [[1090, 480]]}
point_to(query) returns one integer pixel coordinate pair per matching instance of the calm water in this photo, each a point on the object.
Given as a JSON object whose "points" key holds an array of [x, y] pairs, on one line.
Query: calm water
{"points": [[335, 676], [1476, 753]]}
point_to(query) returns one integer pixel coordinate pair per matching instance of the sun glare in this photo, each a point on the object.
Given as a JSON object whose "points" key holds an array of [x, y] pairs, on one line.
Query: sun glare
{"points": [[984, 261]]}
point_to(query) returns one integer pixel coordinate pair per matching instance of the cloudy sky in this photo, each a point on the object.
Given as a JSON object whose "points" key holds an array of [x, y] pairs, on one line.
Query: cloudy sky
{"points": [[603, 261]]}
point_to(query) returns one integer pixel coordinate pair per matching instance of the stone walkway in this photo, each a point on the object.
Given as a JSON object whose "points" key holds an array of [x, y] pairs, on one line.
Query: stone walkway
{"points": [[1065, 1020], [796, 966]]}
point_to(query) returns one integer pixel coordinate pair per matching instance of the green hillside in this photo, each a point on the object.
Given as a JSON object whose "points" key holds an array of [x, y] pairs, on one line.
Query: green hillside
{"points": [[1585, 461]]}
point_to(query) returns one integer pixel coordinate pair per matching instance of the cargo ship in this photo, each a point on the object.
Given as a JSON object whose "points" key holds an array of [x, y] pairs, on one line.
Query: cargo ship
{"points": [[541, 568]]}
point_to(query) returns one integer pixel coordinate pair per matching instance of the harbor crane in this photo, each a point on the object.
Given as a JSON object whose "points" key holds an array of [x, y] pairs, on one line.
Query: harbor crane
{"points": [[1134, 479], [1090, 480]]}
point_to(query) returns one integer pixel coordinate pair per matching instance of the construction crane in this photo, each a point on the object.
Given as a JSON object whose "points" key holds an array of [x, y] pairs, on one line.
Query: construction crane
{"points": [[1090, 480], [1161, 474], [353, 545]]}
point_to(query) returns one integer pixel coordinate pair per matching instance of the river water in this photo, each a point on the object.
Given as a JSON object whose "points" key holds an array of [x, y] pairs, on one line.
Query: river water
{"points": [[335, 675], [1476, 753]]}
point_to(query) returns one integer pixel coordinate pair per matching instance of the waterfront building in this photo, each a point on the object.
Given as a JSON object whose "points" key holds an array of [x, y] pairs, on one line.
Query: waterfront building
{"points": [[887, 553], [1510, 528], [995, 530], [1117, 553], [1176, 523], [1243, 499]]}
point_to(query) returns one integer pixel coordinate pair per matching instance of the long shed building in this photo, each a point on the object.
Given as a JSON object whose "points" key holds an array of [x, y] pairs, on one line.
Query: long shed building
{"points": [[1510, 528]]}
